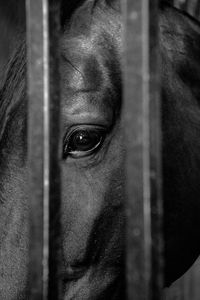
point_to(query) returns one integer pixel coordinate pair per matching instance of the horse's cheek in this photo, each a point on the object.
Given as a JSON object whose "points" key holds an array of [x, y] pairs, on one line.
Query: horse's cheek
{"points": [[92, 207], [14, 236]]}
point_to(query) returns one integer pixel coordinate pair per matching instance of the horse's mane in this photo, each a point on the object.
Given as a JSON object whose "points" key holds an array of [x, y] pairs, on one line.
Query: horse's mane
{"points": [[13, 91]]}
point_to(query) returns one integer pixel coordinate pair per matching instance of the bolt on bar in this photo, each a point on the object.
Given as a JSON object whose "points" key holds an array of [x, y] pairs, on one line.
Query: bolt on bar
{"points": [[141, 113], [43, 146]]}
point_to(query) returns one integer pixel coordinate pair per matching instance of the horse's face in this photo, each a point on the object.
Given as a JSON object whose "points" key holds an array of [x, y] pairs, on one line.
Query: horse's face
{"points": [[93, 156], [92, 177]]}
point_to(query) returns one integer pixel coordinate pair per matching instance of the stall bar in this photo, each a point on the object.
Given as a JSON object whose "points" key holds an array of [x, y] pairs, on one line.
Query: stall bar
{"points": [[141, 113], [43, 147]]}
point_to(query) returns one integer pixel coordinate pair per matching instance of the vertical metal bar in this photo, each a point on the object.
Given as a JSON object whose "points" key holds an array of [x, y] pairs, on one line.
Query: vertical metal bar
{"points": [[143, 163], [43, 145], [38, 135], [55, 288], [155, 155]]}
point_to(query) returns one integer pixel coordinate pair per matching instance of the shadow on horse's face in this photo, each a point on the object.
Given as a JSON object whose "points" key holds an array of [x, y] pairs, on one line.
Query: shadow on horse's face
{"points": [[93, 157]]}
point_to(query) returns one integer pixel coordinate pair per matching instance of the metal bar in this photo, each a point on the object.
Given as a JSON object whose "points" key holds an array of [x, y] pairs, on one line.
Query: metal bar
{"points": [[43, 99], [55, 288], [155, 155], [37, 143], [143, 162]]}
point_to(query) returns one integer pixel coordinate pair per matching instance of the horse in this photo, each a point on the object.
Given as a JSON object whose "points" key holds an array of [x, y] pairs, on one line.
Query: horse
{"points": [[92, 207], [180, 44]]}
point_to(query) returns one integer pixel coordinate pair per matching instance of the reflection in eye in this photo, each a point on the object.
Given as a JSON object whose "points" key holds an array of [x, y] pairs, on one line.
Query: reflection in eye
{"points": [[83, 141]]}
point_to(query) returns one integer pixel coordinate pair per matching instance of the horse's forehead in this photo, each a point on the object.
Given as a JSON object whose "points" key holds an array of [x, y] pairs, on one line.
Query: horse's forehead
{"points": [[81, 69], [85, 78]]}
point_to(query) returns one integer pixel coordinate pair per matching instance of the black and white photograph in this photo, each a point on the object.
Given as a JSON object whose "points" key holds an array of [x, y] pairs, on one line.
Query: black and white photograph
{"points": [[99, 149]]}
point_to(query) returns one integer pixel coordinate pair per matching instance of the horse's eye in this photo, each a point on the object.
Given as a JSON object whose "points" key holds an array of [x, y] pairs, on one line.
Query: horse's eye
{"points": [[83, 142]]}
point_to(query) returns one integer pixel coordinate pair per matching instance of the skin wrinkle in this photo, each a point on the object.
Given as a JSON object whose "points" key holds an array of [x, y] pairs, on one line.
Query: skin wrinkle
{"points": [[82, 80], [65, 59]]}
